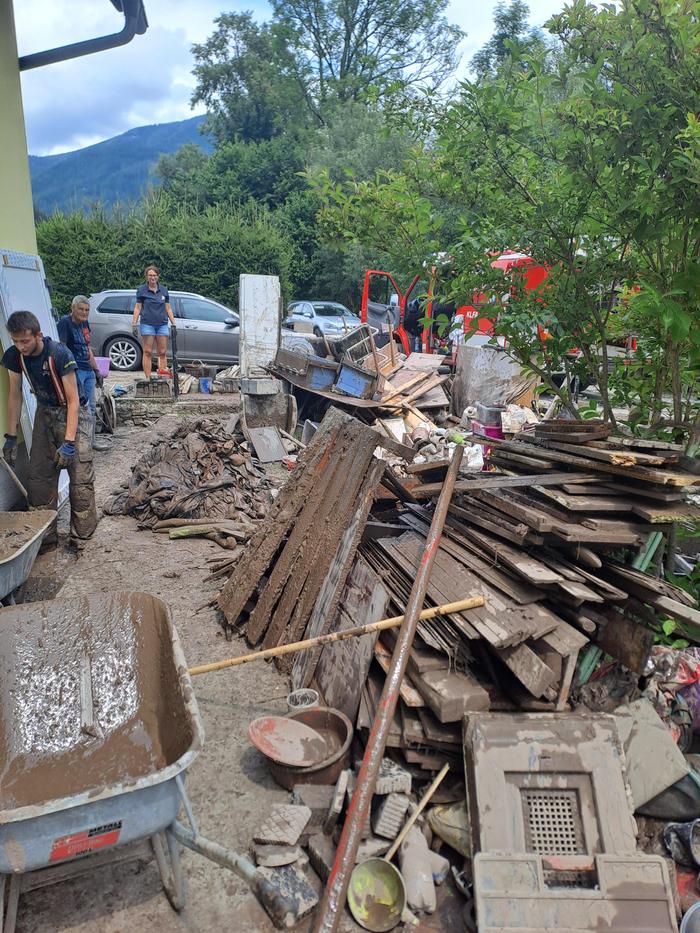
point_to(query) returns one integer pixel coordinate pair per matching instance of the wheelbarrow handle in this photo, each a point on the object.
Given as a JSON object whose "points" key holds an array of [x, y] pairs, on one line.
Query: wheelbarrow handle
{"points": [[281, 909]]}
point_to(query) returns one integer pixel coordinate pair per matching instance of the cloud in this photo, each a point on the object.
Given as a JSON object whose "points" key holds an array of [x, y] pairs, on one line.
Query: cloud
{"points": [[79, 102]]}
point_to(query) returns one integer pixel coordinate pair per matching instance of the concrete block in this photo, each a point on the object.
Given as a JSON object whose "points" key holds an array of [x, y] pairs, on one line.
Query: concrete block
{"points": [[292, 882], [372, 847], [337, 802], [284, 825], [274, 856], [389, 816], [321, 854], [317, 797]]}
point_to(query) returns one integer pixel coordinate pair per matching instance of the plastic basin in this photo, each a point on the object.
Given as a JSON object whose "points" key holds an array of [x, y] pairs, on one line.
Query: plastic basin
{"points": [[102, 365]]}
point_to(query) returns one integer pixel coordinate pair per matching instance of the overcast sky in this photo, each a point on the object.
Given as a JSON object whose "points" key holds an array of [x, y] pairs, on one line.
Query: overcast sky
{"points": [[76, 103]]}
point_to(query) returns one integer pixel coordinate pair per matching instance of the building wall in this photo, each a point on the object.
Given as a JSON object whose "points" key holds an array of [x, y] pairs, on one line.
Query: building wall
{"points": [[16, 211]]}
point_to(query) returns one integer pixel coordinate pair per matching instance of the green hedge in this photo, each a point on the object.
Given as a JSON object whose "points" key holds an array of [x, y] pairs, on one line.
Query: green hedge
{"points": [[199, 251]]}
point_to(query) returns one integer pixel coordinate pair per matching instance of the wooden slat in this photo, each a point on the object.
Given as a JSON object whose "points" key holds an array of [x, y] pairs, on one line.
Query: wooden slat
{"points": [[488, 481]]}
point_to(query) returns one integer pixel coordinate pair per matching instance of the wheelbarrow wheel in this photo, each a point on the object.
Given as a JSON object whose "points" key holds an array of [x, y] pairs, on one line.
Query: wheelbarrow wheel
{"points": [[167, 852]]}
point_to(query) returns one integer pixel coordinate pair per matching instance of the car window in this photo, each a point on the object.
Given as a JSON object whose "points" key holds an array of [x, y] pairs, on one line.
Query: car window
{"points": [[114, 304], [331, 310], [198, 309]]}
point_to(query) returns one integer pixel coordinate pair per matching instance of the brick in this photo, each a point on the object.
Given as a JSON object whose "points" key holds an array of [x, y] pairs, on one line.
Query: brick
{"points": [[371, 847], [390, 814]]}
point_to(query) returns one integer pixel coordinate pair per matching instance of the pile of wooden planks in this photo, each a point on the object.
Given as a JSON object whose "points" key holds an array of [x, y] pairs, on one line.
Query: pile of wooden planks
{"points": [[288, 582], [548, 543]]}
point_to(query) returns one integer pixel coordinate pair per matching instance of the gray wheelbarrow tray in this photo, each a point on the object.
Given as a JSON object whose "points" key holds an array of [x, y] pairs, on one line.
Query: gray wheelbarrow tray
{"points": [[98, 723], [29, 528]]}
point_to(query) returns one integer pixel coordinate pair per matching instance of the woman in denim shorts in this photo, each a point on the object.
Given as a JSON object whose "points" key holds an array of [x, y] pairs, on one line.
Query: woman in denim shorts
{"points": [[153, 309]]}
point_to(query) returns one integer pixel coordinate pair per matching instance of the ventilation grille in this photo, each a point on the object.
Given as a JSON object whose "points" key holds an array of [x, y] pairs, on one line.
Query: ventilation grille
{"points": [[552, 822]]}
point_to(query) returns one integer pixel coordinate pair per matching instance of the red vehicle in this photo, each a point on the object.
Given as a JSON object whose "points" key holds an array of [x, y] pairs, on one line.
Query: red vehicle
{"points": [[412, 320], [530, 275], [383, 304]]}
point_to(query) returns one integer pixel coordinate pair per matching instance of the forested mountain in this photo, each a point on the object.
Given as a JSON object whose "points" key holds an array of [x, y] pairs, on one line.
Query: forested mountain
{"points": [[115, 170]]}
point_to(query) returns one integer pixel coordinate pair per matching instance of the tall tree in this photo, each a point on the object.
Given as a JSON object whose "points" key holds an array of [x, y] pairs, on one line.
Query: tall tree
{"points": [[248, 79], [588, 159], [258, 80], [511, 32]]}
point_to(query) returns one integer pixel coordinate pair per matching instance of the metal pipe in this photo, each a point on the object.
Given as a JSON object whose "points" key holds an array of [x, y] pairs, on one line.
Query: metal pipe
{"points": [[336, 889], [135, 23]]}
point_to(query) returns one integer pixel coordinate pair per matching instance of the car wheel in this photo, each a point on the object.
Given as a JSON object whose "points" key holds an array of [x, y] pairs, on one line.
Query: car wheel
{"points": [[124, 354]]}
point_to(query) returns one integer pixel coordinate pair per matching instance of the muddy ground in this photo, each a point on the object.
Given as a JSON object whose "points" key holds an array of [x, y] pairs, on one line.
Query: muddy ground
{"points": [[230, 788]]}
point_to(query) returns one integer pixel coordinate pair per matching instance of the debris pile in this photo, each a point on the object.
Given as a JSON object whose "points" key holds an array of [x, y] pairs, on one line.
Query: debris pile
{"points": [[202, 480], [555, 544]]}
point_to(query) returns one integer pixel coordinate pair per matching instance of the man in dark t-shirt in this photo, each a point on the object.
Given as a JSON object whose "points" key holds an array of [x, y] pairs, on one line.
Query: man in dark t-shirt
{"points": [[150, 320], [61, 434]]}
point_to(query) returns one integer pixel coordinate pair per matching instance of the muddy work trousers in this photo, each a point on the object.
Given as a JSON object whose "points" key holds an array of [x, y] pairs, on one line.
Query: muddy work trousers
{"points": [[47, 436]]}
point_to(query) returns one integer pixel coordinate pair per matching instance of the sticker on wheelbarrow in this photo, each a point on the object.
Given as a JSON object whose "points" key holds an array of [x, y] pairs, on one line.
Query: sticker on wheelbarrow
{"points": [[99, 837]]}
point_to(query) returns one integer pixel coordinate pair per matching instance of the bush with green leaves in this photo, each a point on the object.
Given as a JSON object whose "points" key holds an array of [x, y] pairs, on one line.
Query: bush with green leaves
{"points": [[202, 251]]}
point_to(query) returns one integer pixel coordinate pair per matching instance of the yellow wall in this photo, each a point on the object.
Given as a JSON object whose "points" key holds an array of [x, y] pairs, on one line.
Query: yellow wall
{"points": [[16, 212]]}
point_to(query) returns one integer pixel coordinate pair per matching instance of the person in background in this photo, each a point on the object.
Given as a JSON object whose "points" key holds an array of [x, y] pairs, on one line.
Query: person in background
{"points": [[61, 435], [74, 331], [154, 311]]}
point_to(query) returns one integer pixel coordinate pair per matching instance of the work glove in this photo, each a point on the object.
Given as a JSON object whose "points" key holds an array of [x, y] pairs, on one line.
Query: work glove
{"points": [[65, 455], [99, 380], [9, 449], [173, 330], [135, 330]]}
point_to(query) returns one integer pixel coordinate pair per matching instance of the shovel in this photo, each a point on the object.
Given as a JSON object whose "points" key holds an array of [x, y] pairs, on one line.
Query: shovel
{"points": [[173, 346], [377, 893], [13, 476]]}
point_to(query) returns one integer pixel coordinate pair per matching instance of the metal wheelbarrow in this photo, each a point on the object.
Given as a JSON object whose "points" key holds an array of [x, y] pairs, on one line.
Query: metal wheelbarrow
{"points": [[21, 534], [98, 724]]}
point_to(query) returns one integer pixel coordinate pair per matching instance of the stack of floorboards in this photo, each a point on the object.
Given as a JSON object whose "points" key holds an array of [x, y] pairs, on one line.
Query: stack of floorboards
{"points": [[288, 582], [548, 543]]}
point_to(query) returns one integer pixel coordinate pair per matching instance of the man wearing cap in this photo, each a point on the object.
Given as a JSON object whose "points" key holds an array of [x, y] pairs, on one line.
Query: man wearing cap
{"points": [[61, 434]]}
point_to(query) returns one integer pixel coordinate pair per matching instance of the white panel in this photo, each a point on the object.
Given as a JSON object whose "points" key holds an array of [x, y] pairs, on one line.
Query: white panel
{"points": [[259, 305]]}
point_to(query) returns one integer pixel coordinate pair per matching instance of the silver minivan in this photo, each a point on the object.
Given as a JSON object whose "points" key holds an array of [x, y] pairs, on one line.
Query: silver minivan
{"points": [[206, 330]]}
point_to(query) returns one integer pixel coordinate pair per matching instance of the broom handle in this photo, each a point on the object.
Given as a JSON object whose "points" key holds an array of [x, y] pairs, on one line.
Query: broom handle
{"points": [[445, 609], [417, 812]]}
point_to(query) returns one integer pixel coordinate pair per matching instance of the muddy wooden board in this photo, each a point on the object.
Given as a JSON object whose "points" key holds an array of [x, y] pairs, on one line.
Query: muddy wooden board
{"points": [[342, 667]]}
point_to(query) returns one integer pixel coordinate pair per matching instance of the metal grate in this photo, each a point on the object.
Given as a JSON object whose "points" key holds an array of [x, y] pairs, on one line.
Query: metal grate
{"points": [[552, 822]]}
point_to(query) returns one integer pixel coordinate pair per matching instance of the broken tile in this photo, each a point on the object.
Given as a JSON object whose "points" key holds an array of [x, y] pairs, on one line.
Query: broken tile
{"points": [[284, 825], [390, 815], [292, 883], [337, 802], [321, 854], [372, 848], [392, 779], [317, 797], [274, 856]]}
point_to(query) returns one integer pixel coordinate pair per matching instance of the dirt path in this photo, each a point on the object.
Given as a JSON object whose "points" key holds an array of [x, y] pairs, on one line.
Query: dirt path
{"points": [[229, 785]]}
